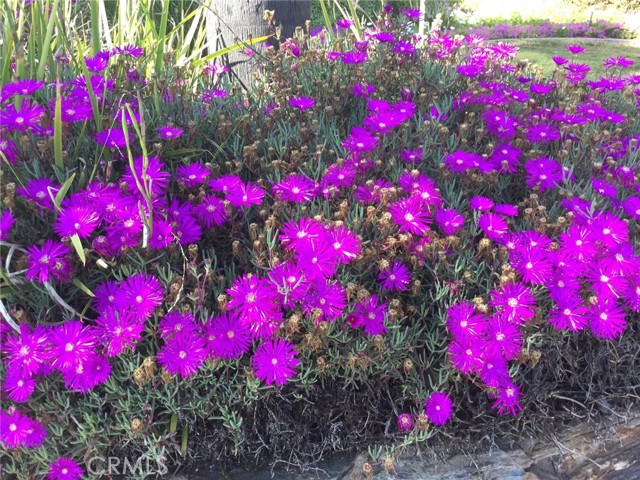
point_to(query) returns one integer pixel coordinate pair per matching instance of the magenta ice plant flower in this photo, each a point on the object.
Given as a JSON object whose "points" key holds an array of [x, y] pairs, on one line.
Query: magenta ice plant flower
{"points": [[183, 354], [140, 292], [405, 422], [395, 277], [275, 361], [65, 468], [48, 261], [439, 408]]}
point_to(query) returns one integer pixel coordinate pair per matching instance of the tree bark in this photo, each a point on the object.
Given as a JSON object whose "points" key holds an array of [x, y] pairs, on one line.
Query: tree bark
{"points": [[233, 21]]}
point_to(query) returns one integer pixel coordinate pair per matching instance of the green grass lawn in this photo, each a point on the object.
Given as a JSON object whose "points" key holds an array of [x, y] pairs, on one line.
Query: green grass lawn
{"points": [[541, 51]]}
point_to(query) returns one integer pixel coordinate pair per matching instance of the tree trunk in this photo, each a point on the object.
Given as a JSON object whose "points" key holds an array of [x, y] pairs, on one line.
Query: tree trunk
{"points": [[233, 21]]}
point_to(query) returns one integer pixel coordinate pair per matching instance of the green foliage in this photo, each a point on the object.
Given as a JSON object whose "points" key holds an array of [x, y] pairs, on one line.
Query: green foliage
{"points": [[632, 6], [350, 386]]}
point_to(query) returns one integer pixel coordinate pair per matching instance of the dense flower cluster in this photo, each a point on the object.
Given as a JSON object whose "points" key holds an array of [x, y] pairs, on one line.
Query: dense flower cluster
{"points": [[598, 29], [308, 250]]}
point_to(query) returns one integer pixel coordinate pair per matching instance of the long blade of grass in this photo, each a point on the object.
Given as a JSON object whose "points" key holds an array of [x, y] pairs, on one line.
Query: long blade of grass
{"points": [[57, 200], [229, 49], [95, 26], [46, 46], [327, 20], [77, 245], [57, 131], [161, 37]]}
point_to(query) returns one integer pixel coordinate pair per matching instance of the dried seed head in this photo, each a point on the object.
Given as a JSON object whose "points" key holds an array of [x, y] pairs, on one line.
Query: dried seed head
{"points": [[422, 421], [389, 464], [408, 367], [415, 287], [166, 377], [222, 302], [321, 364], [367, 469], [378, 342], [136, 425]]}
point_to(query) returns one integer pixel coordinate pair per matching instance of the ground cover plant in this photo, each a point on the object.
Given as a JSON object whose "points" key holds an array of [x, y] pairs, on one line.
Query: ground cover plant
{"points": [[542, 51], [536, 28], [389, 236]]}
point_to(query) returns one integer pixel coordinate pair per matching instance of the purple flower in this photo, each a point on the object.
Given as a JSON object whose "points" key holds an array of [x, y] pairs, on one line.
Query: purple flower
{"points": [[65, 468], [360, 140], [39, 191], [21, 87], [192, 175], [87, 374], [18, 430], [439, 408], [152, 177], [256, 301], [318, 260], [231, 337], [18, 385], [575, 49], [503, 338], [353, 57], [177, 323], [411, 215], [118, 330], [345, 243], [607, 319], [363, 90], [183, 354], [77, 219], [142, 293], [294, 234], [405, 422], [514, 303], [326, 301], [612, 62], [27, 350], [481, 204], [493, 226], [570, 315], [99, 62], [225, 184], [412, 156], [169, 132], [296, 188], [6, 222], [344, 23], [211, 211], [302, 103], [506, 210], [370, 314], [74, 111], [507, 396], [464, 323], [466, 355], [631, 207], [112, 138], [130, 50], [162, 234], [48, 260], [275, 361], [542, 133], [543, 171], [8, 150], [396, 277], [26, 117], [246, 195], [71, 344], [403, 47]]}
